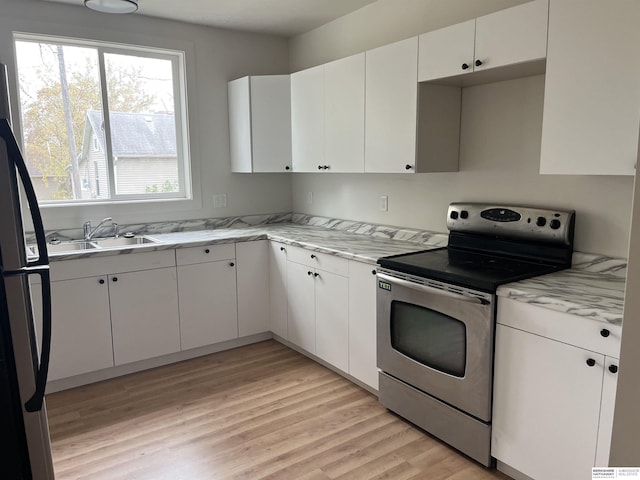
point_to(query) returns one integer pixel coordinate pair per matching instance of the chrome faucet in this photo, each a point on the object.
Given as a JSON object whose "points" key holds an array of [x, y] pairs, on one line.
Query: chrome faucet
{"points": [[89, 233]]}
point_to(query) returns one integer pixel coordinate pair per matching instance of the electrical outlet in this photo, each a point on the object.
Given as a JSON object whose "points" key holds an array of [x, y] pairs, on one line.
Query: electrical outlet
{"points": [[220, 200], [384, 203], [309, 198]]}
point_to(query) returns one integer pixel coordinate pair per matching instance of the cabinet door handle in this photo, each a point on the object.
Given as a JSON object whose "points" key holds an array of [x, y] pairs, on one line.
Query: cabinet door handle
{"points": [[613, 368], [478, 63], [408, 167], [319, 167], [591, 362], [373, 272], [605, 332], [309, 273], [207, 251], [114, 279], [231, 264], [465, 66], [287, 167], [313, 256], [101, 281], [282, 249], [316, 275]]}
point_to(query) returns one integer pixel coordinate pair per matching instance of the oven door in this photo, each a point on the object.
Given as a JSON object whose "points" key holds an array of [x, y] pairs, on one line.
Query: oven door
{"points": [[438, 339]]}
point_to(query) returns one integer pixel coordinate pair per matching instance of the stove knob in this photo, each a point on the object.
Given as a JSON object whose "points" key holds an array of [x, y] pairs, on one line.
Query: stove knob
{"points": [[554, 224], [464, 214], [541, 221], [453, 215]]}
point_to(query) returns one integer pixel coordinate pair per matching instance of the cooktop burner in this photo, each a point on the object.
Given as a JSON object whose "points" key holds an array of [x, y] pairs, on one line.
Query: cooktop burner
{"points": [[470, 269]]}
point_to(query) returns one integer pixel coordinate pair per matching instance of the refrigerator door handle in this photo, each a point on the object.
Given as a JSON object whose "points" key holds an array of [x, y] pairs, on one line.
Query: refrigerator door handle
{"points": [[34, 404], [14, 153]]}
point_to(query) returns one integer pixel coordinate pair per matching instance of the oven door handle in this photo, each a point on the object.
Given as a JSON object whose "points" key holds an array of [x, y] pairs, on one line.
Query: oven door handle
{"points": [[433, 290]]}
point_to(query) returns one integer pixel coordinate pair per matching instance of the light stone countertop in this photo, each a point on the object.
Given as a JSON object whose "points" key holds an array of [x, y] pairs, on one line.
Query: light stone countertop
{"points": [[593, 288]]}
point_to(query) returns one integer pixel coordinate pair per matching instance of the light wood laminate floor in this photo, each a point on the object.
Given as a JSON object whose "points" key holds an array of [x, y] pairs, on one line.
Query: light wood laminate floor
{"points": [[256, 412]]}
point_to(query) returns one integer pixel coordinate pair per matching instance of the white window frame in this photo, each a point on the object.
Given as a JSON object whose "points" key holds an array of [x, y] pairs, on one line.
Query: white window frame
{"points": [[177, 59]]}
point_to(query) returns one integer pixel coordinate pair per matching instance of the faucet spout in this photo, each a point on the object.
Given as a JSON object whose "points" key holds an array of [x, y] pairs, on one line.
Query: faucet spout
{"points": [[89, 233]]}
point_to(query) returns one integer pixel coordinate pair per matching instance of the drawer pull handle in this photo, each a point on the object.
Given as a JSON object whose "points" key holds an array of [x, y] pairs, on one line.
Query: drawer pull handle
{"points": [[313, 256], [101, 281], [115, 279], [232, 264], [309, 273], [605, 332], [591, 362], [207, 251], [282, 249], [613, 368]]}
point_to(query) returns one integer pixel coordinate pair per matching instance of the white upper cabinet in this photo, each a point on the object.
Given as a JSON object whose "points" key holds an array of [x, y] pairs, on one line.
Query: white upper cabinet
{"points": [[344, 114], [260, 124], [391, 107], [592, 88], [447, 51], [307, 119], [517, 34], [508, 37]]}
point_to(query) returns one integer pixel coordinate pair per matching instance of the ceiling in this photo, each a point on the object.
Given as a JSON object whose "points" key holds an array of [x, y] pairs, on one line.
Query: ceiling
{"points": [[279, 17]]}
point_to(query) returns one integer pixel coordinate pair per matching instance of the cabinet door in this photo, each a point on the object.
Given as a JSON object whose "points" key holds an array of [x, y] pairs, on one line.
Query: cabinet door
{"points": [[592, 88], [271, 123], [546, 405], [307, 119], [332, 318], [253, 287], [81, 326], [513, 35], [447, 52], [301, 326], [144, 314], [391, 107], [362, 323], [607, 406], [344, 114], [239, 98], [208, 306], [278, 289]]}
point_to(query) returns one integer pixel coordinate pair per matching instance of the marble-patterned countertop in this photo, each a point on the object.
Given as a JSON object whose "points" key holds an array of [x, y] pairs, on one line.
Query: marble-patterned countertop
{"points": [[353, 246], [593, 288], [593, 294]]}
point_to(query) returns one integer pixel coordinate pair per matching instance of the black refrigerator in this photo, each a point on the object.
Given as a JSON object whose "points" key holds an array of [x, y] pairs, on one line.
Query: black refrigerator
{"points": [[25, 451]]}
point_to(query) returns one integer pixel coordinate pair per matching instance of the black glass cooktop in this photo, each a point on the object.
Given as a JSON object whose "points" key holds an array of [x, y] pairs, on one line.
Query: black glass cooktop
{"points": [[469, 269]]}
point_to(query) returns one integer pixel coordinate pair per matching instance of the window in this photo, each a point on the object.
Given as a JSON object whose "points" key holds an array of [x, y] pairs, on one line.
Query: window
{"points": [[102, 122]]}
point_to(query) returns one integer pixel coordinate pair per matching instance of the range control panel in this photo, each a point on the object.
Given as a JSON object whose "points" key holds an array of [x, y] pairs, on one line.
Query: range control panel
{"points": [[530, 223]]}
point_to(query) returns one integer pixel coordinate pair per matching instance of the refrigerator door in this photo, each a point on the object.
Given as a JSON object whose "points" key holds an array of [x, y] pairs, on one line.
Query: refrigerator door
{"points": [[14, 267]]}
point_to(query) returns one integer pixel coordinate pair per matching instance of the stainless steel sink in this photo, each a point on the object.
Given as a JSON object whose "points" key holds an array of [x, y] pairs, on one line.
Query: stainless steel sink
{"points": [[121, 241], [71, 246]]}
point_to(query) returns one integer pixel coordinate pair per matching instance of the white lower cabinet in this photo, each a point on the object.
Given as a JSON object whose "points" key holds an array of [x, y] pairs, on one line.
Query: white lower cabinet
{"points": [[81, 326], [362, 323], [207, 292], [252, 276], [318, 313], [553, 401], [278, 302], [144, 314]]}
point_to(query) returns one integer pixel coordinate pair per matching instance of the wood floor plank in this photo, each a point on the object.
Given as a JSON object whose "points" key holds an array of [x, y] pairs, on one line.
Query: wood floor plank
{"points": [[259, 412]]}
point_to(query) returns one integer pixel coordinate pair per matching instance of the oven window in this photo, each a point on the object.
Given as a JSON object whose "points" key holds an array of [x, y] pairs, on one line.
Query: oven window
{"points": [[429, 337]]}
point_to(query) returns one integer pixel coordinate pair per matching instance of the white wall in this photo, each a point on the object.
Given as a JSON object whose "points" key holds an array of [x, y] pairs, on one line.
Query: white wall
{"points": [[500, 147], [213, 57]]}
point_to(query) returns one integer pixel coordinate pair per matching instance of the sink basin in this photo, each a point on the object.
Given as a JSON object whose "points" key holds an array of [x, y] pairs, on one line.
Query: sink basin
{"points": [[121, 241], [72, 246]]}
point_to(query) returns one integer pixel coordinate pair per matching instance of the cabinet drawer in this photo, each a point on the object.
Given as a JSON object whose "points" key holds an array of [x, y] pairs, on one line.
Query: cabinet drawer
{"points": [[574, 330], [206, 253], [323, 261], [96, 266]]}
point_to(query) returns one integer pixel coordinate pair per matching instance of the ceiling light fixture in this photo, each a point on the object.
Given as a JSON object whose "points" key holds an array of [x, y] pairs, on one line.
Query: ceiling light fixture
{"points": [[112, 6]]}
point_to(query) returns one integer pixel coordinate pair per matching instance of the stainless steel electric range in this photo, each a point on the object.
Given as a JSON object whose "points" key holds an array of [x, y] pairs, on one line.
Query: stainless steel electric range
{"points": [[436, 313]]}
